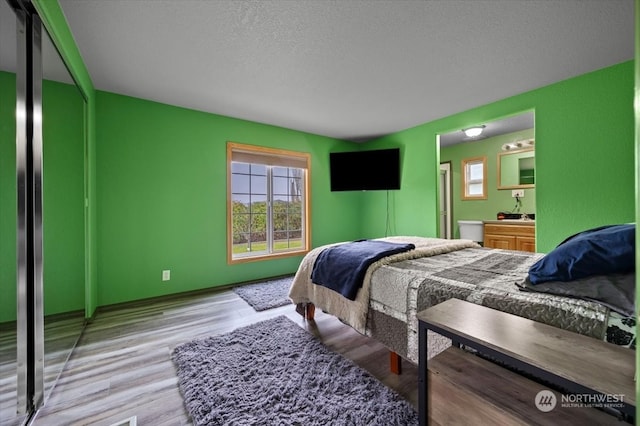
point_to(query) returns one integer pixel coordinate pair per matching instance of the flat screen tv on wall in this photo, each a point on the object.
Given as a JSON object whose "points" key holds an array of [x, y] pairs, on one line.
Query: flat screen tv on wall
{"points": [[365, 170]]}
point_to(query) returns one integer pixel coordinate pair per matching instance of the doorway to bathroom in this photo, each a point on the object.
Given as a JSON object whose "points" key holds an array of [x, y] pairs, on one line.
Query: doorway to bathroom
{"points": [[499, 136], [445, 200]]}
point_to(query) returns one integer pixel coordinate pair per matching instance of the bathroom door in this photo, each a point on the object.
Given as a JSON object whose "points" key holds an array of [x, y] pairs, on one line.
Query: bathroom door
{"points": [[444, 194]]}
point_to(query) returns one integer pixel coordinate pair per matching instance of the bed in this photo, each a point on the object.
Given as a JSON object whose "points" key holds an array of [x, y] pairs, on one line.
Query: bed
{"points": [[396, 287]]}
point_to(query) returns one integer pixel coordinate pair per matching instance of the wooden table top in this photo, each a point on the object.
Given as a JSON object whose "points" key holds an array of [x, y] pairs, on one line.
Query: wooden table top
{"points": [[595, 364]]}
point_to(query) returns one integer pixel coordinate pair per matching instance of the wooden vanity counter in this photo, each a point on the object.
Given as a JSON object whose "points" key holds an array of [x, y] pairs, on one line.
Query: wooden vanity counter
{"points": [[510, 234]]}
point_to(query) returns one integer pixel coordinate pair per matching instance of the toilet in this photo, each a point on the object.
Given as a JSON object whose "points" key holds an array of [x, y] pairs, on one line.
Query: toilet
{"points": [[471, 230]]}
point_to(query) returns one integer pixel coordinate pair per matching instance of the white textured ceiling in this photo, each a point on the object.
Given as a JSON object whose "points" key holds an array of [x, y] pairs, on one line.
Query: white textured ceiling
{"points": [[350, 69]]}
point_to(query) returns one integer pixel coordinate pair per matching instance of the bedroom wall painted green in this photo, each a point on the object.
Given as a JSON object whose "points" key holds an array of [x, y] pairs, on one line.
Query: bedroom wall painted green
{"points": [[162, 197], [584, 158], [158, 163], [497, 200]]}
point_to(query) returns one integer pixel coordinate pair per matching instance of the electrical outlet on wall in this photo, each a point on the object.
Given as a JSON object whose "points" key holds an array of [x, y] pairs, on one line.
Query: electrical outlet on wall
{"points": [[517, 193], [166, 275]]}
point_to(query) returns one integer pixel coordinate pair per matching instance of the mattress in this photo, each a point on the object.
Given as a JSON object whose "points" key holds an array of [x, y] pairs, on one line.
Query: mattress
{"points": [[484, 276], [396, 288]]}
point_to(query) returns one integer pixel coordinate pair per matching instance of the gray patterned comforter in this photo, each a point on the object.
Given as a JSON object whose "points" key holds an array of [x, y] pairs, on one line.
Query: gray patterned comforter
{"points": [[479, 275]]}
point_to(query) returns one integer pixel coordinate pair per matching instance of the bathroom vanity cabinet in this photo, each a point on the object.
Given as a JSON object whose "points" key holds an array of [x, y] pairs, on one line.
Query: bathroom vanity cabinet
{"points": [[510, 234]]}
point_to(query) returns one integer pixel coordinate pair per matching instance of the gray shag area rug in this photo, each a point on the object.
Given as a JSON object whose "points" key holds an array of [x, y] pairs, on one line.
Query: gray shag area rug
{"points": [[276, 373], [267, 294]]}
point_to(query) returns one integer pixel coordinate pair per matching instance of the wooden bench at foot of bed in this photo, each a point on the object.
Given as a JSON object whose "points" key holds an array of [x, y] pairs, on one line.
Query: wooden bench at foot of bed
{"points": [[583, 371], [308, 312]]}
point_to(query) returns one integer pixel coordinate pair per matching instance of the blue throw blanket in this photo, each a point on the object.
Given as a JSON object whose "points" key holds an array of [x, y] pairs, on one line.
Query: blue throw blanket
{"points": [[342, 268]]}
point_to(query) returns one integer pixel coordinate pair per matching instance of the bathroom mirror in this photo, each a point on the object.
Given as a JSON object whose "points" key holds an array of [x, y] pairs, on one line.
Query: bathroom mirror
{"points": [[516, 169]]}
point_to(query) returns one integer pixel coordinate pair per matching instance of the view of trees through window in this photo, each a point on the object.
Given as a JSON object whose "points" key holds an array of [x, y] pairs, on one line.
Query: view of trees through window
{"points": [[267, 208]]}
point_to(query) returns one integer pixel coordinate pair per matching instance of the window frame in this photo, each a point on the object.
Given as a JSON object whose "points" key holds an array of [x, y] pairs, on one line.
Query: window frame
{"points": [[270, 157], [467, 181]]}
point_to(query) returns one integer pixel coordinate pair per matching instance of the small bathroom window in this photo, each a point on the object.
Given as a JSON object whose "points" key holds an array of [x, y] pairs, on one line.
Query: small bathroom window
{"points": [[474, 178]]}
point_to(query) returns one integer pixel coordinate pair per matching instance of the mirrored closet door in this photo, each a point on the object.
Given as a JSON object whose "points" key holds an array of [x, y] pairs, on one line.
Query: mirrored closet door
{"points": [[42, 213], [8, 301], [63, 212]]}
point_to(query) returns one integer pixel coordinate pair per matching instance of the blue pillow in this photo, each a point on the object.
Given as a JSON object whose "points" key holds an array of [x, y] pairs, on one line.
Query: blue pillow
{"points": [[598, 251]]}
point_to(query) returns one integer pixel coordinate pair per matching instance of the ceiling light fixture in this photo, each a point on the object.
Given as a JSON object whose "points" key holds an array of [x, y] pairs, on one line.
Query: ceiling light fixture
{"points": [[474, 131]]}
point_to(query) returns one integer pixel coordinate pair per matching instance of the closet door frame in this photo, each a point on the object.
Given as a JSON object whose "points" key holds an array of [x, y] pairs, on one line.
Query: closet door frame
{"points": [[29, 272]]}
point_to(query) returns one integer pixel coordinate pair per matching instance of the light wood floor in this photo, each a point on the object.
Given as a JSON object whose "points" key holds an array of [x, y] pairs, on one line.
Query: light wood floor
{"points": [[122, 366]]}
